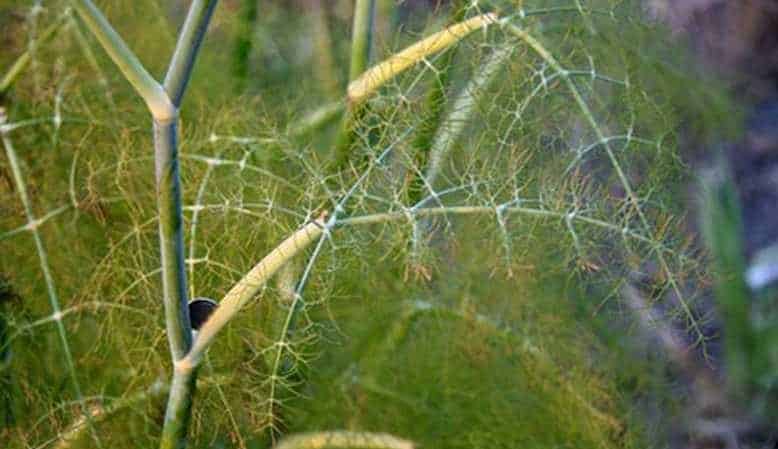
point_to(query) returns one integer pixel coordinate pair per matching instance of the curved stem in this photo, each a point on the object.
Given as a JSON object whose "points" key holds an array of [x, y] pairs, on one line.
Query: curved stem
{"points": [[247, 287]]}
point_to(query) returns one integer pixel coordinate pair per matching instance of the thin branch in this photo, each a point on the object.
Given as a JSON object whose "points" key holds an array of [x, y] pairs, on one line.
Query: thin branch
{"points": [[43, 258], [361, 88], [247, 287], [21, 62]]}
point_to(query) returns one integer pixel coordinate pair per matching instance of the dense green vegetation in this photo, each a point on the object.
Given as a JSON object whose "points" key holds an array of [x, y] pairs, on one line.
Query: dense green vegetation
{"points": [[469, 305]]}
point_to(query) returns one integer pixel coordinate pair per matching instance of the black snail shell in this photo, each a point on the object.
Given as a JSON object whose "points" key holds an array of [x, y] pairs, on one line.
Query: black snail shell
{"points": [[199, 311]]}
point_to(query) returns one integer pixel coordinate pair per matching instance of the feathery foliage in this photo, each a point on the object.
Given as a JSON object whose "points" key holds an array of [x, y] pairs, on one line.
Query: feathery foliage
{"points": [[447, 296]]}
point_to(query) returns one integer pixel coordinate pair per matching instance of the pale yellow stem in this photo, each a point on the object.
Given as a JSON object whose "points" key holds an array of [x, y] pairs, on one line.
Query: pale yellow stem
{"points": [[378, 75]]}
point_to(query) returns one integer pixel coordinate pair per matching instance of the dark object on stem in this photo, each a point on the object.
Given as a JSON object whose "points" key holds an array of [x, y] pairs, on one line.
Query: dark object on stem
{"points": [[199, 311]]}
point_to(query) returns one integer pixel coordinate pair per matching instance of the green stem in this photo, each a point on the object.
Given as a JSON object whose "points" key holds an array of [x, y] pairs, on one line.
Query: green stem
{"points": [[163, 103], [147, 87], [179, 409], [189, 40], [361, 37], [171, 238], [361, 40], [171, 229], [43, 258]]}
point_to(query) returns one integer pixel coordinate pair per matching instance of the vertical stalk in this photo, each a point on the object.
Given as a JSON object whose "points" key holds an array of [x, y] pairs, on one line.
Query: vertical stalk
{"points": [[43, 257], [361, 37], [179, 409], [361, 40], [171, 229], [171, 238], [163, 103]]}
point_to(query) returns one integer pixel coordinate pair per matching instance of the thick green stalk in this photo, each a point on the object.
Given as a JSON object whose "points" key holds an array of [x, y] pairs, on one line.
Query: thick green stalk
{"points": [[171, 229], [179, 409], [163, 103], [171, 238]]}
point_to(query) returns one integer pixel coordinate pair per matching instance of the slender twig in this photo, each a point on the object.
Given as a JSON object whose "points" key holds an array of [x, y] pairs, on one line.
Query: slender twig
{"points": [[24, 59], [43, 258]]}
